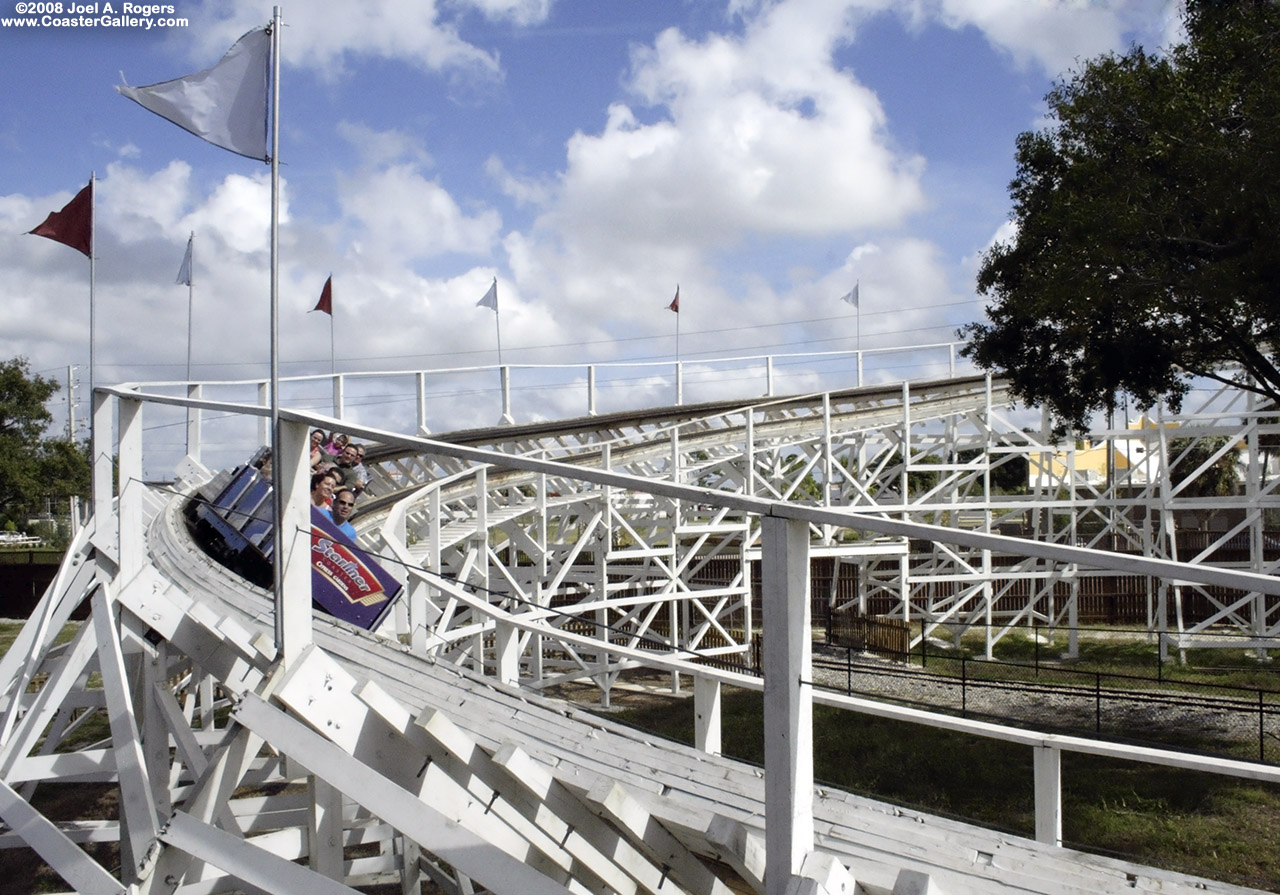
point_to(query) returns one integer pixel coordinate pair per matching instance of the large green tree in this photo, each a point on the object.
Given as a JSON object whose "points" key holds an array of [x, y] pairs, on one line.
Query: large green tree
{"points": [[1147, 246], [34, 467]]}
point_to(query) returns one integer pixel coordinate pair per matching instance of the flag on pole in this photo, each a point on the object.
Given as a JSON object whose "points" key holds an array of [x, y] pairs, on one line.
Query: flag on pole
{"points": [[326, 297], [184, 272], [490, 299], [73, 225], [225, 105], [675, 302], [851, 296]]}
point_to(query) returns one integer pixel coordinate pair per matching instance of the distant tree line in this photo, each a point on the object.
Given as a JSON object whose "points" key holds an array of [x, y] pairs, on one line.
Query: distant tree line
{"points": [[37, 468]]}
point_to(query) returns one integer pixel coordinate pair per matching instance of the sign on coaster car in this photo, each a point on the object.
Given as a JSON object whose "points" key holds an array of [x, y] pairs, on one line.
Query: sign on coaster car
{"points": [[345, 581]]}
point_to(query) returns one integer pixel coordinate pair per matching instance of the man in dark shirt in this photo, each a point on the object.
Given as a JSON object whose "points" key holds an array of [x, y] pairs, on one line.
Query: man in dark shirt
{"points": [[354, 473]]}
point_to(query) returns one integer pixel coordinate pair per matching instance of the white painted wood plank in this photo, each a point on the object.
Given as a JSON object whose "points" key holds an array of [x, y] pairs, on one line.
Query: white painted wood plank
{"points": [[442, 835], [137, 803], [66, 858], [242, 860]]}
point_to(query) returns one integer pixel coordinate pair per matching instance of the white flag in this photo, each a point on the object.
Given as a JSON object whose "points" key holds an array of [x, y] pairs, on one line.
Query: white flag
{"points": [[184, 272], [490, 299], [851, 296], [226, 104]]}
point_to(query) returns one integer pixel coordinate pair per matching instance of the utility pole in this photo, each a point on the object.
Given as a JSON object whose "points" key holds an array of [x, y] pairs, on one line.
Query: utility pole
{"points": [[71, 403]]}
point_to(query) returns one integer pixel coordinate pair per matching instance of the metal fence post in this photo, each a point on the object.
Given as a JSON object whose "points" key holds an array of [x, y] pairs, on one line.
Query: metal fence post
{"points": [[1097, 702]]}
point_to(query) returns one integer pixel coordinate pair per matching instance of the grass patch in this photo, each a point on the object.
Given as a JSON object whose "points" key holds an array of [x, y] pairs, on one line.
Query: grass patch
{"points": [[1196, 823], [1123, 653]]}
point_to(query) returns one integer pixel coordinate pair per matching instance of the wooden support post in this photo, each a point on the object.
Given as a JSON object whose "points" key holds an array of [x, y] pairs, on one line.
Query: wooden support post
{"points": [[420, 381], [788, 700], [507, 419], [325, 829], [131, 489], [339, 396], [507, 649], [264, 422], [1047, 768], [138, 820], [105, 522], [706, 713], [292, 474], [195, 418]]}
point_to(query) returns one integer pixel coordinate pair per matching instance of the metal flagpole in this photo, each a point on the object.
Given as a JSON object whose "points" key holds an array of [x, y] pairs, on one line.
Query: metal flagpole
{"points": [[497, 322], [191, 301], [93, 335], [277, 498], [333, 357], [191, 296]]}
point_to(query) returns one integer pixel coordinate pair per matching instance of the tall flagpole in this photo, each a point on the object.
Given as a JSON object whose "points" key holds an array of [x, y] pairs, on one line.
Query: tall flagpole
{"points": [[191, 302], [497, 322], [277, 498], [93, 334], [191, 298], [857, 306]]}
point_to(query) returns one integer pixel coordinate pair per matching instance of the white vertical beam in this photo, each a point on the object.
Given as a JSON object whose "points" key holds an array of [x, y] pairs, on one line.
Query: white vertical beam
{"points": [[1047, 769], [195, 418], [104, 516], [541, 593], [324, 832], [292, 474], [706, 714], [155, 732], [264, 422], [138, 819], [420, 381], [507, 418], [788, 700], [130, 487], [828, 531], [507, 658], [480, 548], [339, 396], [591, 390]]}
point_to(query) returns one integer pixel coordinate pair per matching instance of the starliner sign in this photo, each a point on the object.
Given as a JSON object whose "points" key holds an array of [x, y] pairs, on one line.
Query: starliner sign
{"points": [[345, 580]]}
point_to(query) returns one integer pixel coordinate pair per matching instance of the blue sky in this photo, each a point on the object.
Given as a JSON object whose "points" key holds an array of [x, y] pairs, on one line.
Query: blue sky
{"points": [[590, 154]]}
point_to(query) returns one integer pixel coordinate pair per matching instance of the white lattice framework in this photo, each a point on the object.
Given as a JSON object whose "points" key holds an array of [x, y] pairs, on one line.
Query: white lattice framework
{"points": [[926, 452], [257, 747]]}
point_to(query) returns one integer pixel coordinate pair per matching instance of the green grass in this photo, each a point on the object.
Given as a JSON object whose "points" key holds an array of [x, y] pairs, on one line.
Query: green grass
{"points": [[9, 633], [1111, 652], [1203, 824]]}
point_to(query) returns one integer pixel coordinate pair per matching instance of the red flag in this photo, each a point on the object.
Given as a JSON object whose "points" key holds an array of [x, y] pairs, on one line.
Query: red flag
{"points": [[73, 226], [675, 302], [326, 297]]}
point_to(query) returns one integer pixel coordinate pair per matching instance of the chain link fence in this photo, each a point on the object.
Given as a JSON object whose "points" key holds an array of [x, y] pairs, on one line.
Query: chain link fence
{"points": [[1202, 717]]}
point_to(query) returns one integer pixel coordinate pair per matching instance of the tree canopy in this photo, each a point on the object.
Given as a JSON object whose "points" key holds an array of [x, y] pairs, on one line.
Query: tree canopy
{"points": [[1146, 251], [34, 467]]}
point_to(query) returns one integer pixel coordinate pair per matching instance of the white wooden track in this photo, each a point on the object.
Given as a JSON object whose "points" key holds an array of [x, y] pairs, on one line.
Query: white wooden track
{"points": [[256, 746]]}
